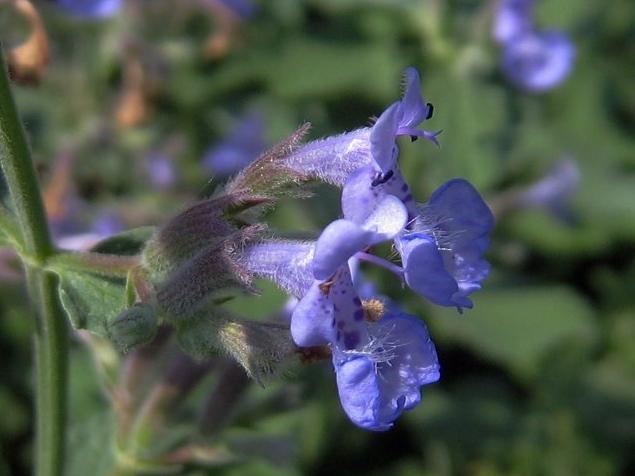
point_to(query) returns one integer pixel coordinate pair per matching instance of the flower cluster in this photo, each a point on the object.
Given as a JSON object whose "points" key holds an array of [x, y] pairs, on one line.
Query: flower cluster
{"points": [[381, 356], [535, 60]]}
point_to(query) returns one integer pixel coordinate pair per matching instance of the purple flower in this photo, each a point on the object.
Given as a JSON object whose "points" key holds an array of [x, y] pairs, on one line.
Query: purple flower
{"points": [[91, 8], [333, 159], [380, 366], [538, 61], [442, 252], [512, 18], [382, 376], [241, 146]]}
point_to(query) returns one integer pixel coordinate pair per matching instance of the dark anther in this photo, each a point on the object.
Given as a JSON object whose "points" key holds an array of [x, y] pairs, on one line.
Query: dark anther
{"points": [[413, 138], [381, 179], [430, 110]]}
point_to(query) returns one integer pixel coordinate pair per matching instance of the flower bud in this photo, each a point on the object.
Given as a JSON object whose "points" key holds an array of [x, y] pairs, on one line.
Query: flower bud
{"points": [[134, 326]]}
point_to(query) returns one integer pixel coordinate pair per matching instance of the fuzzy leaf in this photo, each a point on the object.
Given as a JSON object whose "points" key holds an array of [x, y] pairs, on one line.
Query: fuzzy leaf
{"points": [[91, 301]]}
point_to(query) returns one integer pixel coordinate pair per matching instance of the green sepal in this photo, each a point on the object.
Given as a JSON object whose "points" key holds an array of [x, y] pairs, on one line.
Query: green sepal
{"points": [[259, 347], [134, 326]]}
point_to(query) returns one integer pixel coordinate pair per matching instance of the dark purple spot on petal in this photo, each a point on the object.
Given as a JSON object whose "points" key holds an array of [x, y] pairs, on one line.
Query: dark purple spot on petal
{"points": [[407, 198], [359, 315], [333, 322], [404, 187], [357, 301]]}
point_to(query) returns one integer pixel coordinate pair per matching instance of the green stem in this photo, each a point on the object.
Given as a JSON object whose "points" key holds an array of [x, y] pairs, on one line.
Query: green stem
{"points": [[51, 338], [97, 263], [20, 175]]}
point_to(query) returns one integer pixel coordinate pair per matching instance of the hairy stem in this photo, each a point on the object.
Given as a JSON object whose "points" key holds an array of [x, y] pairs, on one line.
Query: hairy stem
{"points": [[51, 338]]}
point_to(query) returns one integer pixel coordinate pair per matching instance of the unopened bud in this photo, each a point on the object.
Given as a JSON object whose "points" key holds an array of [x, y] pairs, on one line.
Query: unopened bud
{"points": [[134, 326]]}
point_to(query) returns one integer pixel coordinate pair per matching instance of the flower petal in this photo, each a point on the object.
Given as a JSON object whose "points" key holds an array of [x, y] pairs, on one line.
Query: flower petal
{"points": [[383, 148], [387, 219], [413, 106], [339, 241], [359, 198], [415, 362], [358, 387], [461, 210], [424, 269], [312, 318]]}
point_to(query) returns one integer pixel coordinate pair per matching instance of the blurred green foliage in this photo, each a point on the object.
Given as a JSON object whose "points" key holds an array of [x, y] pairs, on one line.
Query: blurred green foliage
{"points": [[538, 379]]}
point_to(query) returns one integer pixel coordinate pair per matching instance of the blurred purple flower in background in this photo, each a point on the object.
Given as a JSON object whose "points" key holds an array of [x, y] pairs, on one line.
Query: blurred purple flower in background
{"points": [[91, 8], [513, 18], [160, 169], [243, 8], [534, 60], [103, 226], [239, 148], [539, 61]]}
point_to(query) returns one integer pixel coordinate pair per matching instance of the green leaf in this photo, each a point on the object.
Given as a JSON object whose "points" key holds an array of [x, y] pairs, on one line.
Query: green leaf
{"points": [[91, 301], [517, 327]]}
